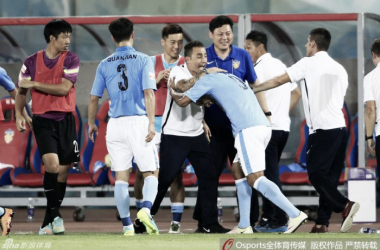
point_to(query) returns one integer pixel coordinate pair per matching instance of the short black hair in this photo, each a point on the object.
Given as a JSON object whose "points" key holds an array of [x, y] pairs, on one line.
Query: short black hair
{"points": [[190, 45], [375, 48], [171, 29], [121, 29], [219, 21], [258, 37], [321, 37], [56, 27]]}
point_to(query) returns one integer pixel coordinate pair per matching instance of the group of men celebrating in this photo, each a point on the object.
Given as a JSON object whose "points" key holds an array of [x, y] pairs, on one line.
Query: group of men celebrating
{"points": [[207, 106]]}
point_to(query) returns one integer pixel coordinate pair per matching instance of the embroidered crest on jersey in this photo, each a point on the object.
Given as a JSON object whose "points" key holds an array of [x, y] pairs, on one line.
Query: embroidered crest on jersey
{"points": [[235, 64], [152, 76], [8, 135]]}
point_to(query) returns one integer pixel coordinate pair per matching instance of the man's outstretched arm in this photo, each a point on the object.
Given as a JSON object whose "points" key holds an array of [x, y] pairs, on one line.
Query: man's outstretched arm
{"points": [[272, 83]]}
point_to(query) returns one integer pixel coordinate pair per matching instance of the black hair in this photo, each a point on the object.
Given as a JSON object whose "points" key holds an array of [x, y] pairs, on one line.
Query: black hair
{"points": [[56, 27], [321, 37], [375, 48], [121, 29], [219, 21], [190, 45], [171, 29], [258, 37]]}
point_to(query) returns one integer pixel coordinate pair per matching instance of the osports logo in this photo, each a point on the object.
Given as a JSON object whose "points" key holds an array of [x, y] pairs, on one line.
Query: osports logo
{"points": [[228, 244]]}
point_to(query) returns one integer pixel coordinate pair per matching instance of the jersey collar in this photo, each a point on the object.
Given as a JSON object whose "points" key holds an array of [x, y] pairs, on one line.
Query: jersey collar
{"points": [[125, 48], [231, 55]]}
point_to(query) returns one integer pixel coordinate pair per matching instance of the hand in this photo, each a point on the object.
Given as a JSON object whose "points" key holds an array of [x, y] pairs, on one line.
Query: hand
{"points": [[207, 132], [151, 132], [28, 120], [164, 74], [171, 83], [215, 70], [20, 123], [371, 147], [174, 93], [92, 129], [26, 84]]}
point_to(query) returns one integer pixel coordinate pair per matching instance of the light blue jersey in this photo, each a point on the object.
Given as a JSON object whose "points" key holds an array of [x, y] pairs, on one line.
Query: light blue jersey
{"points": [[126, 74], [6, 81], [234, 96]]}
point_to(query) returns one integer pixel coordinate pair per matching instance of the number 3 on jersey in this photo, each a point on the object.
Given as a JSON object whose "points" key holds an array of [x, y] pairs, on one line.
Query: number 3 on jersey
{"points": [[123, 86]]}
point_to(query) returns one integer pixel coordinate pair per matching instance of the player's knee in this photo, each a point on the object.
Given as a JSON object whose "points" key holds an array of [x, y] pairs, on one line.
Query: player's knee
{"points": [[252, 178]]}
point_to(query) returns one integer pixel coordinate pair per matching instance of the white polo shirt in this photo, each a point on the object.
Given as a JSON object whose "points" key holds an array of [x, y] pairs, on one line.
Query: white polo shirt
{"points": [[324, 84], [372, 92], [278, 99], [186, 121]]}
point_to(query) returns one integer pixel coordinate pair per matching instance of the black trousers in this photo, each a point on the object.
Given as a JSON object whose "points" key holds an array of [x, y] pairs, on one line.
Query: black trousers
{"points": [[326, 151], [174, 150], [272, 158], [223, 149]]}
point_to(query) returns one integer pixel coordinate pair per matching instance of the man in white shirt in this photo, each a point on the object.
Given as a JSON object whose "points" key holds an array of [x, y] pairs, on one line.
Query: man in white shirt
{"points": [[279, 101], [324, 84], [371, 96], [185, 135]]}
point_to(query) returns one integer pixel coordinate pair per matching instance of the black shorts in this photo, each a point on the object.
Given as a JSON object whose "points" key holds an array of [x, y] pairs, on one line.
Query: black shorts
{"points": [[58, 137]]}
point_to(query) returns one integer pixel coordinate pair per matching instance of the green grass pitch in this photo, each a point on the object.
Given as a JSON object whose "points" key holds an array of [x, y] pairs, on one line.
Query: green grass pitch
{"points": [[95, 241]]}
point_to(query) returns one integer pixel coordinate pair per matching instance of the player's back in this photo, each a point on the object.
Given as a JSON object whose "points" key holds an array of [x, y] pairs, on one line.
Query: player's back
{"points": [[237, 99], [127, 73]]}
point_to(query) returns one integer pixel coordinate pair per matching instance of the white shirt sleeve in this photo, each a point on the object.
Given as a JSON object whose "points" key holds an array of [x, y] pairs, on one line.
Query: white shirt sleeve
{"points": [[298, 70], [179, 73], [367, 86]]}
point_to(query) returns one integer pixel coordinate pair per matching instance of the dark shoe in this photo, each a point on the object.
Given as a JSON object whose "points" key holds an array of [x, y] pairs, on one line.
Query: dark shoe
{"points": [[262, 225], [214, 228], [319, 230], [139, 227], [199, 230], [275, 227], [348, 213]]}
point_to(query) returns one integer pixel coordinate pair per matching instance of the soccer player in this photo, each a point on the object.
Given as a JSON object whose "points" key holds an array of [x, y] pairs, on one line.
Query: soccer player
{"points": [[128, 76], [185, 135], [252, 132], [280, 101], [6, 216], [323, 83], [51, 75], [224, 55], [371, 100], [172, 42]]}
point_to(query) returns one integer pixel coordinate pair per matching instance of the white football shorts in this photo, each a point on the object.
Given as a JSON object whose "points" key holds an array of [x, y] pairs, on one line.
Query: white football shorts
{"points": [[126, 140], [251, 144]]}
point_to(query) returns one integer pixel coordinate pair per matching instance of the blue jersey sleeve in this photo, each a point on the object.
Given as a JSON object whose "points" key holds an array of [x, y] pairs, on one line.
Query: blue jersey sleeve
{"points": [[250, 74], [199, 89], [153, 58], [6, 81], [148, 77], [99, 82]]}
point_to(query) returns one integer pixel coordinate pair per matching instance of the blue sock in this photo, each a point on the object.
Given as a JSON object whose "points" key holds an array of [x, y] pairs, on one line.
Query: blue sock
{"points": [[177, 211], [122, 201], [139, 204], [244, 193], [149, 191], [2, 211], [271, 191]]}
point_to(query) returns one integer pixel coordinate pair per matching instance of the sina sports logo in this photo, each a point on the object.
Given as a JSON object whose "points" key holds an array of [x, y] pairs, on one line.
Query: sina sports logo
{"points": [[235, 64], [8, 135], [228, 244]]}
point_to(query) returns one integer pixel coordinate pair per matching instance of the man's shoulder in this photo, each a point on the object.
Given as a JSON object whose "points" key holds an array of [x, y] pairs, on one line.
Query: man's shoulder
{"points": [[31, 58]]}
